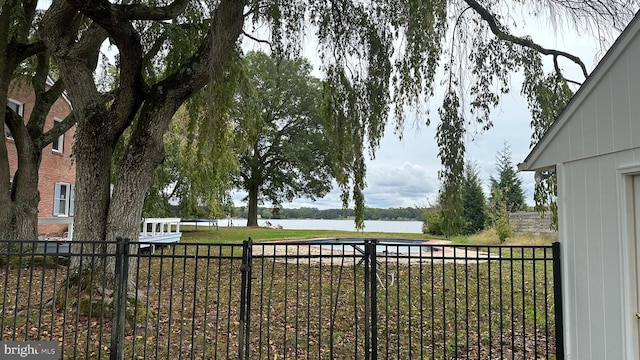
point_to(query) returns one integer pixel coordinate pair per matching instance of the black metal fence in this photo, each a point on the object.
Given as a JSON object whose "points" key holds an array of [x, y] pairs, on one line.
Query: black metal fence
{"points": [[363, 299]]}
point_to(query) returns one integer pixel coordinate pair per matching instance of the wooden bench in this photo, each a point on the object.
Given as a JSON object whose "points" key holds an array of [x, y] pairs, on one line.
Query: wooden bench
{"points": [[159, 231], [155, 231]]}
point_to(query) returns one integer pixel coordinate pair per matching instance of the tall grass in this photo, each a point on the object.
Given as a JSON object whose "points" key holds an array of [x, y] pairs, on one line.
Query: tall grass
{"points": [[490, 237]]}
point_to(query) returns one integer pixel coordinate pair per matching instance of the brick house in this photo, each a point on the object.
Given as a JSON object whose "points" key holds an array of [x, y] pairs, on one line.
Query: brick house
{"points": [[57, 170]]}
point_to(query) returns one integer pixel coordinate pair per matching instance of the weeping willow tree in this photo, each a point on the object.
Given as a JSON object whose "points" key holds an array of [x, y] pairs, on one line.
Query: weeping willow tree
{"points": [[379, 58]]}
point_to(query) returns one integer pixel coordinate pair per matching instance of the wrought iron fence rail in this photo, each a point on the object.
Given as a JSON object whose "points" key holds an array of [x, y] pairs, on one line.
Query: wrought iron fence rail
{"points": [[284, 300]]}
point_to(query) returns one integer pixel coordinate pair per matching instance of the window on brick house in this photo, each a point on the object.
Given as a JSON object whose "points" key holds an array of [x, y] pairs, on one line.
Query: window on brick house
{"points": [[18, 107], [63, 199], [58, 143]]}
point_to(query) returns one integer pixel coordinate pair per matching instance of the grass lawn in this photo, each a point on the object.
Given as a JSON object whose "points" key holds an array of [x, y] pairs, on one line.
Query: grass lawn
{"points": [[231, 235], [238, 234]]}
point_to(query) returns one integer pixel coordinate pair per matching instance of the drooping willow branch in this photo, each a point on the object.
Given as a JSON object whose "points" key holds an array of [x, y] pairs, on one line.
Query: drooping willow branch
{"points": [[498, 31], [453, 41]]}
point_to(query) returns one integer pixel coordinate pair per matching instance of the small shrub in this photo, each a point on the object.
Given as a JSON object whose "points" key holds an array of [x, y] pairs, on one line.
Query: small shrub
{"points": [[432, 222], [503, 229]]}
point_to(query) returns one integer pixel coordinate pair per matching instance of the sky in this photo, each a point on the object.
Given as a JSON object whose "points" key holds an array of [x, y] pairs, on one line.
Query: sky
{"points": [[404, 172]]}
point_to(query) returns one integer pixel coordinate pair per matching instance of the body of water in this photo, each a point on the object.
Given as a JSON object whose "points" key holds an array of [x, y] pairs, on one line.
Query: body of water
{"points": [[414, 227]]}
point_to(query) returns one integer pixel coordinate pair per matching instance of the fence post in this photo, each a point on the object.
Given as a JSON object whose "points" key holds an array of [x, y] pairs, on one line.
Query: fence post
{"points": [[557, 301], [374, 299], [367, 300], [245, 299], [121, 279]]}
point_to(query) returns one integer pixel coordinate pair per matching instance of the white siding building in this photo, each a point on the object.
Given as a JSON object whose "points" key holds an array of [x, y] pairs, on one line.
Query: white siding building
{"points": [[594, 148]]}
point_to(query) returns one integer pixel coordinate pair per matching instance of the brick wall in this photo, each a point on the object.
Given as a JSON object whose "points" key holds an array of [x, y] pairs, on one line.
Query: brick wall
{"points": [[55, 166], [530, 222]]}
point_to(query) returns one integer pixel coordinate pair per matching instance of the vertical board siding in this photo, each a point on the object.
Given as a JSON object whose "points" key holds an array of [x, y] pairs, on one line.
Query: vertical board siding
{"points": [[620, 98], [582, 315], [593, 248], [598, 133], [589, 126], [576, 137], [593, 221], [611, 246], [634, 92], [553, 153], [604, 126], [564, 147]]}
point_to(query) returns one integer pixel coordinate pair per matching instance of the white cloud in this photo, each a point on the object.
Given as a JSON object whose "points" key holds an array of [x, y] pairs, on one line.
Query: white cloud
{"points": [[404, 185]]}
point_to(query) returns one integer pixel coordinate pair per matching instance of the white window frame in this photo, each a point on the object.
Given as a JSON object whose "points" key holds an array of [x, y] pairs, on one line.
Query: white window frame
{"points": [[19, 109], [67, 202], [60, 140]]}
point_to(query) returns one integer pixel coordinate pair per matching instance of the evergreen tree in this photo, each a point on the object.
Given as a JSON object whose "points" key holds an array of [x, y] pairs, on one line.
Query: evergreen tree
{"points": [[508, 182], [473, 200]]}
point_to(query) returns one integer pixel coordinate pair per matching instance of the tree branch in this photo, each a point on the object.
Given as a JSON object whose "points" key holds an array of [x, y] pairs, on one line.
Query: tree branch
{"points": [[90, 43], [212, 53], [118, 27], [499, 32], [144, 12], [59, 128], [16, 125], [42, 104], [25, 51], [121, 30], [45, 98], [153, 51], [256, 39]]}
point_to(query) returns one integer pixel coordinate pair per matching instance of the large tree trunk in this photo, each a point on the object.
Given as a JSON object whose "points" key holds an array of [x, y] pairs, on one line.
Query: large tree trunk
{"points": [[19, 216], [99, 216], [19, 220], [252, 214], [98, 130], [135, 171], [6, 215], [93, 173], [96, 135], [24, 206]]}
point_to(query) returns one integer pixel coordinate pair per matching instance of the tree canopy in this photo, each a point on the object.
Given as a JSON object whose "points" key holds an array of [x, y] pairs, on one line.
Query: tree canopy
{"points": [[378, 59], [289, 152]]}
